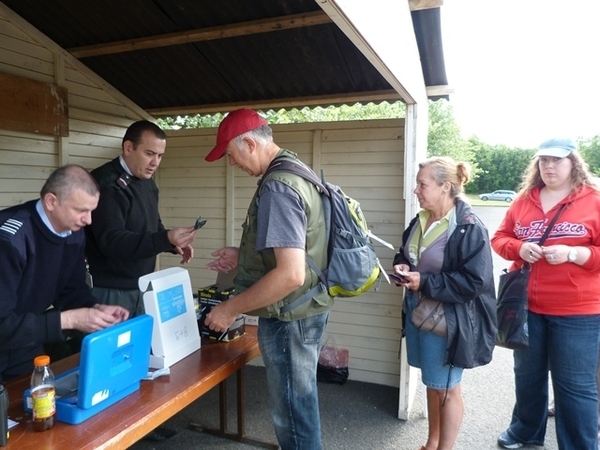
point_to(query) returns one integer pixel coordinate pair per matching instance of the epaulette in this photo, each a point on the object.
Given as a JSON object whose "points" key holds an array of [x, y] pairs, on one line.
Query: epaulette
{"points": [[11, 226]]}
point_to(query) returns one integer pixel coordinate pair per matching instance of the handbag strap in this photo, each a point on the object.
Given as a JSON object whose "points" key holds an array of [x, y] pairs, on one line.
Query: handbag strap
{"points": [[552, 222], [527, 264]]}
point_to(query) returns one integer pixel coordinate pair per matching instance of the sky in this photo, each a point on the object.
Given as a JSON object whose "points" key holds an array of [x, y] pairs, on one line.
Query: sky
{"points": [[523, 71]]}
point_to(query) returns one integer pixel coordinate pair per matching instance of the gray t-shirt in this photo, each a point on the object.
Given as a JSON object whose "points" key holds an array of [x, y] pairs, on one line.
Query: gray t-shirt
{"points": [[281, 218]]}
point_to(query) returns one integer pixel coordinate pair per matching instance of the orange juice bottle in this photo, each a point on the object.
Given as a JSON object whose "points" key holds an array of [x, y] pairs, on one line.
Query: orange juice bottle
{"points": [[43, 394]]}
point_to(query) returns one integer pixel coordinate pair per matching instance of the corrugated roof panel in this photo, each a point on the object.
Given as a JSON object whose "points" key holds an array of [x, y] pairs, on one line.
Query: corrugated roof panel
{"points": [[317, 60]]}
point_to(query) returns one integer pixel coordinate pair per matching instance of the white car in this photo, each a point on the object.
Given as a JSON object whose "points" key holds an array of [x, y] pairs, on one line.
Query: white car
{"points": [[506, 196]]}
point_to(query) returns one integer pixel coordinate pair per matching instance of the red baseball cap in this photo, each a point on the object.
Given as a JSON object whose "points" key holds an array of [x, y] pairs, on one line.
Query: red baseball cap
{"points": [[235, 124]]}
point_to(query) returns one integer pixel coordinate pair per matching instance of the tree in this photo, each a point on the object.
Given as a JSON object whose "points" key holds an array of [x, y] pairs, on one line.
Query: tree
{"points": [[500, 167], [590, 150], [444, 137], [370, 111]]}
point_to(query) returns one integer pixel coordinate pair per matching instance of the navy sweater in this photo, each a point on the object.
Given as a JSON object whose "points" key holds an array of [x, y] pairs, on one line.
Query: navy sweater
{"points": [[38, 269]]}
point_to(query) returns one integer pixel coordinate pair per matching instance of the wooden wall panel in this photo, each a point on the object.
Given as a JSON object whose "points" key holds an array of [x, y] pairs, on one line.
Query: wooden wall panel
{"points": [[366, 158], [97, 115]]}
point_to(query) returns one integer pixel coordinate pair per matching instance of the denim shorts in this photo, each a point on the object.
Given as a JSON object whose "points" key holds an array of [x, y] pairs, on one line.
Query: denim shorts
{"points": [[427, 352]]}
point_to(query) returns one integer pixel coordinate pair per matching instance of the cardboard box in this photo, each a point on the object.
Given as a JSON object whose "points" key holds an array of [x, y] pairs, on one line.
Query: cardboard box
{"points": [[208, 297], [168, 299]]}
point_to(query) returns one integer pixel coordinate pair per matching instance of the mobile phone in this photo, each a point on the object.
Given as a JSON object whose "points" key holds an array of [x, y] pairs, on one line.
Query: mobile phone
{"points": [[398, 277], [199, 223]]}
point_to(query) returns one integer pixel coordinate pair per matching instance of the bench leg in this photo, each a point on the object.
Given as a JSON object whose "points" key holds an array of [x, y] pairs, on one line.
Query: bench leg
{"points": [[240, 435]]}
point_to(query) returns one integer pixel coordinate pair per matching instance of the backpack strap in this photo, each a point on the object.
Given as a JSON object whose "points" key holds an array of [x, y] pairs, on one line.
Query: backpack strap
{"points": [[297, 167], [320, 287]]}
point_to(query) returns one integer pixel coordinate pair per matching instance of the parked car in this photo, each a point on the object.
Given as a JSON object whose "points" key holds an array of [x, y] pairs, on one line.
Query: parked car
{"points": [[506, 196]]}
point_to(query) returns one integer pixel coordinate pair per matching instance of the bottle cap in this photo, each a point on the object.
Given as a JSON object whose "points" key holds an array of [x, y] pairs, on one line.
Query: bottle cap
{"points": [[42, 360]]}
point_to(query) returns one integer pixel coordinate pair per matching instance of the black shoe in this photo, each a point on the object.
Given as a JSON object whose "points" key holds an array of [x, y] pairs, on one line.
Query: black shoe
{"points": [[160, 434], [507, 441]]}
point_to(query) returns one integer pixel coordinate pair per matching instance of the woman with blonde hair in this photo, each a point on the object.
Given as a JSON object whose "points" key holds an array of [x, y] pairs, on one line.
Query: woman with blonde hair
{"points": [[563, 297], [446, 256]]}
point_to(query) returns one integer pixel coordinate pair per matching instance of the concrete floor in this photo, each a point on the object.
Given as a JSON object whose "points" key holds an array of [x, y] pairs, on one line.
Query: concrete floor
{"points": [[360, 415]]}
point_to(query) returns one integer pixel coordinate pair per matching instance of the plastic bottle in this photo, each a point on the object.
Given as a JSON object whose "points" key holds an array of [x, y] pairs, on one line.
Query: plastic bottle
{"points": [[43, 394], [3, 416]]}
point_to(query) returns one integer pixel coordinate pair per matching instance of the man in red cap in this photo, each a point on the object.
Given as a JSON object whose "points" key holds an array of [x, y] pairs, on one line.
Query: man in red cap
{"points": [[280, 229]]}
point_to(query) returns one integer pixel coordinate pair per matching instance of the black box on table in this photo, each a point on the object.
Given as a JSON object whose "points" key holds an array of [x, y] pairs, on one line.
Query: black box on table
{"points": [[208, 297]]}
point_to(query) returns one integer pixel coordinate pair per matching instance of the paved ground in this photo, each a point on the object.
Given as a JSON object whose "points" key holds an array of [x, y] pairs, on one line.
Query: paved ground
{"points": [[360, 415]]}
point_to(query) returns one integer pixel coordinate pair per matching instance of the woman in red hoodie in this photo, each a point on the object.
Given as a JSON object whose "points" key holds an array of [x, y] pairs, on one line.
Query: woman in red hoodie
{"points": [[564, 297]]}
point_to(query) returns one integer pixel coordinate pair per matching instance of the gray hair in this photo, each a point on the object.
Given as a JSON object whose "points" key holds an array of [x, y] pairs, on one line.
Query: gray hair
{"points": [[67, 179], [263, 135]]}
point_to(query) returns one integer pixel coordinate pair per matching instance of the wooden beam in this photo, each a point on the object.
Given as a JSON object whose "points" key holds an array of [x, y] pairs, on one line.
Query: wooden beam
{"points": [[293, 102], [33, 107], [416, 5], [383, 32], [204, 34], [434, 91]]}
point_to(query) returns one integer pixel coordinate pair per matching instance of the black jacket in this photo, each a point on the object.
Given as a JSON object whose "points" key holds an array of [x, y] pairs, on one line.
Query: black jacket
{"points": [[126, 233], [466, 287]]}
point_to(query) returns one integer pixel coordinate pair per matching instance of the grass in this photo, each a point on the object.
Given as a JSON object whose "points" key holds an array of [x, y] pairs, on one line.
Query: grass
{"points": [[474, 200]]}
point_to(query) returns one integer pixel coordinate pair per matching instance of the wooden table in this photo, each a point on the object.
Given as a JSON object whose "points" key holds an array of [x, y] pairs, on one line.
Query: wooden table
{"points": [[132, 418]]}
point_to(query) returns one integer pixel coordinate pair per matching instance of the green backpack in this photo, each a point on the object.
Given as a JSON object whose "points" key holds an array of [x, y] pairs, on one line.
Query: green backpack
{"points": [[352, 264]]}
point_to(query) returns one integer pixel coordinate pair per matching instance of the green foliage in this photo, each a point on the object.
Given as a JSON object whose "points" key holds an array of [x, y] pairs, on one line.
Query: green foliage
{"points": [[191, 122], [357, 111], [501, 167], [444, 138], [590, 150]]}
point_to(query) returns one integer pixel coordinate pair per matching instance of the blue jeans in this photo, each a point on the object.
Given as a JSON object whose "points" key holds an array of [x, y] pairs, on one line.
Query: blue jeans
{"points": [[290, 351], [568, 347]]}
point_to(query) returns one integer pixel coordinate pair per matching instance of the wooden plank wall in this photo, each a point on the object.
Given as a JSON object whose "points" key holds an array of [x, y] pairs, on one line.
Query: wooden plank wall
{"points": [[97, 120], [365, 158], [26, 159]]}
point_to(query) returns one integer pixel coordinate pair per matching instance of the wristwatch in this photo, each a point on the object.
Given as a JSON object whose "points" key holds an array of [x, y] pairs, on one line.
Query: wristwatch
{"points": [[572, 256]]}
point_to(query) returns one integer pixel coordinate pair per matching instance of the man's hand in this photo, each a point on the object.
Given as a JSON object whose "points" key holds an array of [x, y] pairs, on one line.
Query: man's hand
{"points": [[186, 252], [221, 317], [227, 259], [118, 312], [181, 237], [93, 319]]}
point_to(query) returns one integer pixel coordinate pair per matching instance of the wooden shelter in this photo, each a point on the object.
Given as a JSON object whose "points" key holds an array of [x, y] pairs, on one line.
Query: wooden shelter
{"points": [[74, 74]]}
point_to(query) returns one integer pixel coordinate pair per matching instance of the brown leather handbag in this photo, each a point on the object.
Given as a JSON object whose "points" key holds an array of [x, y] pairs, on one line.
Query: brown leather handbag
{"points": [[429, 315]]}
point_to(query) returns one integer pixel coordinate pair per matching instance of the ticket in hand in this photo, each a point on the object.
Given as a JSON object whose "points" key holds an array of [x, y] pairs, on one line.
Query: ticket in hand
{"points": [[398, 277]]}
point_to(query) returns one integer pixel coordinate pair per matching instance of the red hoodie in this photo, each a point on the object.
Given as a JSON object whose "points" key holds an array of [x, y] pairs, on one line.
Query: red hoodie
{"points": [[565, 289]]}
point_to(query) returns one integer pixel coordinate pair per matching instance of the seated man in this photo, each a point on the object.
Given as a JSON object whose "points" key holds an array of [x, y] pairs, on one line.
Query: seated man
{"points": [[42, 281]]}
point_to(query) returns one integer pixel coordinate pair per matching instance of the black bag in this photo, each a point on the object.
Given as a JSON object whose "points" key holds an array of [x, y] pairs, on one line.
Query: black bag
{"points": [[333, 363], [512, 304], [512, 309]]}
